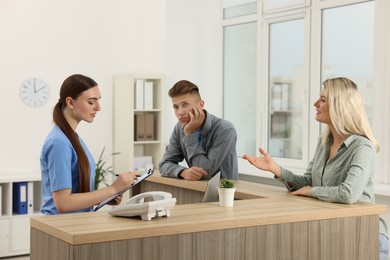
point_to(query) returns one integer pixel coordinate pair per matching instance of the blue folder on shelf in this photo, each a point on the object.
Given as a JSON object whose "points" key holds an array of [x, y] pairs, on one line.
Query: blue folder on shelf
{"points": [[19, 197]]}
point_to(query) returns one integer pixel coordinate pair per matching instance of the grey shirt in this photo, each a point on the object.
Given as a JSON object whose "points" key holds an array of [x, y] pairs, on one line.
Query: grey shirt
{"points": [[346, 178], [218, 152]]}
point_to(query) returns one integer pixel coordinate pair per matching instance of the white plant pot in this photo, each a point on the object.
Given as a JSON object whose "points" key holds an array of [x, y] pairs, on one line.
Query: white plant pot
{"points": [[226, 196]]}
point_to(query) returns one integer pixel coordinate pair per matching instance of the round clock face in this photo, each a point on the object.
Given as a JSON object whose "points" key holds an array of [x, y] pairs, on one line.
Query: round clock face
{"points": [[34, 92]]}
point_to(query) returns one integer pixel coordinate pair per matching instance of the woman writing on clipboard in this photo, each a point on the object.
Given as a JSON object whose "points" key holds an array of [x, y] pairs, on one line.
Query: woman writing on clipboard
{"points": [[67, 166]]}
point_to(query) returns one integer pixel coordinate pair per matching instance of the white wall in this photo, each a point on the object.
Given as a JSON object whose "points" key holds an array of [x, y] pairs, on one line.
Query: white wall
{"points": [[194, 51], [54, 39]]}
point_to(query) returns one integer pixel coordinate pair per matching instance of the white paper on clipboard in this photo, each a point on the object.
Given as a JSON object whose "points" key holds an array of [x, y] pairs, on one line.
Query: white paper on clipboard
{"points": [[145, 175]]}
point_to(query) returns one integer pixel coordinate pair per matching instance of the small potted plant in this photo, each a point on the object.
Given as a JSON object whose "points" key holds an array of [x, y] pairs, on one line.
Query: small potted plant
{"points": [[226, 192], [102, 170]]}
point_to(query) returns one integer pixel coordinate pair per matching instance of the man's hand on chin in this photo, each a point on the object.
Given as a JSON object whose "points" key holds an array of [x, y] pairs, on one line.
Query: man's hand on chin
{"points": [[197, 118]]}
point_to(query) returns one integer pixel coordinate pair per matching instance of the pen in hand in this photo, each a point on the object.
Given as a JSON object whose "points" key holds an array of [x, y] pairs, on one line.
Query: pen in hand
{"points": [[137, 175]]}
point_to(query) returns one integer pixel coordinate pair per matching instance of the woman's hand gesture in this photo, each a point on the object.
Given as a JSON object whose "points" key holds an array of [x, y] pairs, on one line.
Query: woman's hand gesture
{"points": [[264, 162]]}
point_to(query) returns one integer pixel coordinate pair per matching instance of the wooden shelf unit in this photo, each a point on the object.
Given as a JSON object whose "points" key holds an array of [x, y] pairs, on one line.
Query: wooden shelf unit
{"points": [[15, 228], [124, 122]]}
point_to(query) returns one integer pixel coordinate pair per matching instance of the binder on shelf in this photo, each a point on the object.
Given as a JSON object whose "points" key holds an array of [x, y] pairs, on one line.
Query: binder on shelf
{"points": [[19, 197], [30, 197], [139, 126], [139, 94], [149, 126], [148, 95]]}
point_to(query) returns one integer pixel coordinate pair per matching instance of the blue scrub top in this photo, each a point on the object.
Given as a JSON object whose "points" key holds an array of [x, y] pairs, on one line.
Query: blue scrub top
{"points": [[59, 169]]}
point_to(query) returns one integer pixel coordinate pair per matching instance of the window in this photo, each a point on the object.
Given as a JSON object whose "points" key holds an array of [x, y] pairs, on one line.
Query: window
{"points": [[240, 82], [298, 45], [347, 46], [279, 5], [347, 50], [240, 10], [285, 107]]}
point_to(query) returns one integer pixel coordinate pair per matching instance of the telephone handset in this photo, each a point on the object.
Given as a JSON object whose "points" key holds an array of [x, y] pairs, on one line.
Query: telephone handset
{"points": [[156, 195], [160, 206]]}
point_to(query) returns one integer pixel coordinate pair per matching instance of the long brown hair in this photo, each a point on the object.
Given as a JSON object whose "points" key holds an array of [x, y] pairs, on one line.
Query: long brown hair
{"points": [[72, 87]]}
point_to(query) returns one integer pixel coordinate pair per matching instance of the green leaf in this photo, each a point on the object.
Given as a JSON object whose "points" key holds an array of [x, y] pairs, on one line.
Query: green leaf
{"points": [[225, 183], [102, 170]]}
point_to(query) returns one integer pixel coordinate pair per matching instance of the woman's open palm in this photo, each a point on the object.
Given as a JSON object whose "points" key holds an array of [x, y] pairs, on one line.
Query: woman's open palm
{"points": [[265, 162]]}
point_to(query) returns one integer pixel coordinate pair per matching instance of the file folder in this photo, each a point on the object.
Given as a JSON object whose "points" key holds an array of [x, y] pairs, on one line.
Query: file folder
{"points": [[139, 126], [149, 126], [148, 95], [30, 197], [139, 94], [19, 197]]}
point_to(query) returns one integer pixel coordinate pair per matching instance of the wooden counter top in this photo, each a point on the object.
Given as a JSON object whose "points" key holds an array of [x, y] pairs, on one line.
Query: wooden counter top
{"points": [[245, 189], [258, 205]]}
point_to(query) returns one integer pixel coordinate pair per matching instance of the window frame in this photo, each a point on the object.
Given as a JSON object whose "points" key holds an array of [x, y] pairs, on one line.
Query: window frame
{"points": [[282, 7], [312, 13], [268, 20]]}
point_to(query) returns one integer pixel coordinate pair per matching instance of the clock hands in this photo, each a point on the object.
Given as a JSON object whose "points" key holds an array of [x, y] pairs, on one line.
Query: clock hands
{"points": [[37, 90], [34, 84], [34, 92]]}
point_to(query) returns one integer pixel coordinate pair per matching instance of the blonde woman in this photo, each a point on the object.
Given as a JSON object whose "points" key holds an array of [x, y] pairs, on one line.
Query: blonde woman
{"points": [[343, 165]]}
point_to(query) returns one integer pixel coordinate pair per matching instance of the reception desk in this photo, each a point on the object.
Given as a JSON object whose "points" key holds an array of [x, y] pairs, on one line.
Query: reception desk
{"points": [[266, 222]]}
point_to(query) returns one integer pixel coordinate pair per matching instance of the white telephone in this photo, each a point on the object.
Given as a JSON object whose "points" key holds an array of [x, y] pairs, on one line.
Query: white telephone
{"points": [[136, 206]]}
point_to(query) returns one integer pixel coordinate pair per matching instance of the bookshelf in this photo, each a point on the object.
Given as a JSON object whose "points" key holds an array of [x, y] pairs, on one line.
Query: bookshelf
{"points": [[127, 114], [15, 228]]}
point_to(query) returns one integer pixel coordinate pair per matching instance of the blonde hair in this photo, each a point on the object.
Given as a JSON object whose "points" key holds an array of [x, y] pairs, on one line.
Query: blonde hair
{"points": [[346, 110]]}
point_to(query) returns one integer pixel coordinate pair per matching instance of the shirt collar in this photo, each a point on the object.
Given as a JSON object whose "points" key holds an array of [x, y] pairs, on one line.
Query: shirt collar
{"points": [[346, 142], [207, 124], [350, 139]]}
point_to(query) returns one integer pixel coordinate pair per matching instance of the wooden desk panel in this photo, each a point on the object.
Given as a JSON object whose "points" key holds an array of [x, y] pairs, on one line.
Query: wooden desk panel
{"points": [[326, 239], [182, 195], [273, 224]]}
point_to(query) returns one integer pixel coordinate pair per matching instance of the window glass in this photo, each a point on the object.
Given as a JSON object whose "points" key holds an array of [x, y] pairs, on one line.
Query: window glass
{"points": [[275, 4], [240, 83], [347, 46], [286, 76], [240, 10]]}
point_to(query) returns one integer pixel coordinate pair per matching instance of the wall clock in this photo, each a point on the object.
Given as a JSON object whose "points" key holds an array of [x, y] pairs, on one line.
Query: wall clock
{"points": [[34, 92]]}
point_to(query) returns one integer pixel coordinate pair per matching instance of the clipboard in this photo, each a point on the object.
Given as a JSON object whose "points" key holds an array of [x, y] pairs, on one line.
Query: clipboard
{"points": [[145, 175]]}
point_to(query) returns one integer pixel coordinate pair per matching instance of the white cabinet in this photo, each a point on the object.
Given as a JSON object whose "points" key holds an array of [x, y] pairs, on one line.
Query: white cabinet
{"points": [[135, 106], [4, 236], [20, 230], [14, 227]]}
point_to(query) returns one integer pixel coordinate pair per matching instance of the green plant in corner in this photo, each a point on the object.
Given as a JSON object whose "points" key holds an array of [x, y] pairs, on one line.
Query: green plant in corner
{"points": [[225, 183], [102, 170]]}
